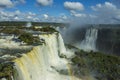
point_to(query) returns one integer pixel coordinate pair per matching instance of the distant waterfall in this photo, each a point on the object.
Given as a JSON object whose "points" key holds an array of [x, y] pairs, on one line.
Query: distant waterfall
{"points": [[89, 43], [43, 62]]}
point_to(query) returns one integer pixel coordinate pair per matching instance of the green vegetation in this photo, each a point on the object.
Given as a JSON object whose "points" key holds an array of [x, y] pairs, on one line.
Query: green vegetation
{"points": [[6, 70], [25, 35], [29, 38], [62, 56], [44, 29], [20, 30], [23, 23], [101, 66], [8, 30]]}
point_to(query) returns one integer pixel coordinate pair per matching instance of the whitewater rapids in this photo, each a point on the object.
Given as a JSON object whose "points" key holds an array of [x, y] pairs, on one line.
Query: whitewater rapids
{"points": [[43, 62], [89, 43]]}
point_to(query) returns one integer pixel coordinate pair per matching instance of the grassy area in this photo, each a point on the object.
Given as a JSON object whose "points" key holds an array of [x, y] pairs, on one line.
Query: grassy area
{"points": [[99, 65]]}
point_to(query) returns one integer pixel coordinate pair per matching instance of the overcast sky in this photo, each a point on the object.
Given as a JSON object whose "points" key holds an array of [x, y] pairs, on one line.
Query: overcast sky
{"points": [[82, 11]]}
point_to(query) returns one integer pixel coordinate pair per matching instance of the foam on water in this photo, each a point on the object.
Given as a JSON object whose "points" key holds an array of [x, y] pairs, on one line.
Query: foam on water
{"points": [[43, 62]]}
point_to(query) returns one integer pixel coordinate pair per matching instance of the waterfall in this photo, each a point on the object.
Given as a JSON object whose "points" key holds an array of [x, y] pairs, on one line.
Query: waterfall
{"points": [[43, 62], [89, 43]]}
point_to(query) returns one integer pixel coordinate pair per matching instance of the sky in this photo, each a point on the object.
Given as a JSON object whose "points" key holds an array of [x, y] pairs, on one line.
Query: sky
{"points": [[82, 11]]}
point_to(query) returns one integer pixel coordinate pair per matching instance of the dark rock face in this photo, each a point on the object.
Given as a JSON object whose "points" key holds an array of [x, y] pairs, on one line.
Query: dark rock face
{"points": [[74, 35], [108, 37], [79, 34], [109, 40]]}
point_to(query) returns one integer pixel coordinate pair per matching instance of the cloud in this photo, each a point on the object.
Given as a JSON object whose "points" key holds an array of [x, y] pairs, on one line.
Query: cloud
{"points": [[76, 14], [116, 2], [17, 15], [106, 6], [107, 12], [10, 3], [73, 6], [45, 2], [101, 14], [19, 2], [63, 16], [45, 16], [17, 12], [50, 18], [75, 9], [22, 1], [30, 16], [6, 4]]}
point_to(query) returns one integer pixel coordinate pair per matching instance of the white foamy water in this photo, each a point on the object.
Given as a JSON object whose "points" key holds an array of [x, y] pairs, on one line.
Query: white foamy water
{"points": [[43, 62], [89, 43]]}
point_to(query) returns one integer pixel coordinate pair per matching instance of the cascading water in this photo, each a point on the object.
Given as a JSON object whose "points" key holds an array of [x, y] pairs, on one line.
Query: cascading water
{"points": [[43, 62], [89, 43]]}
